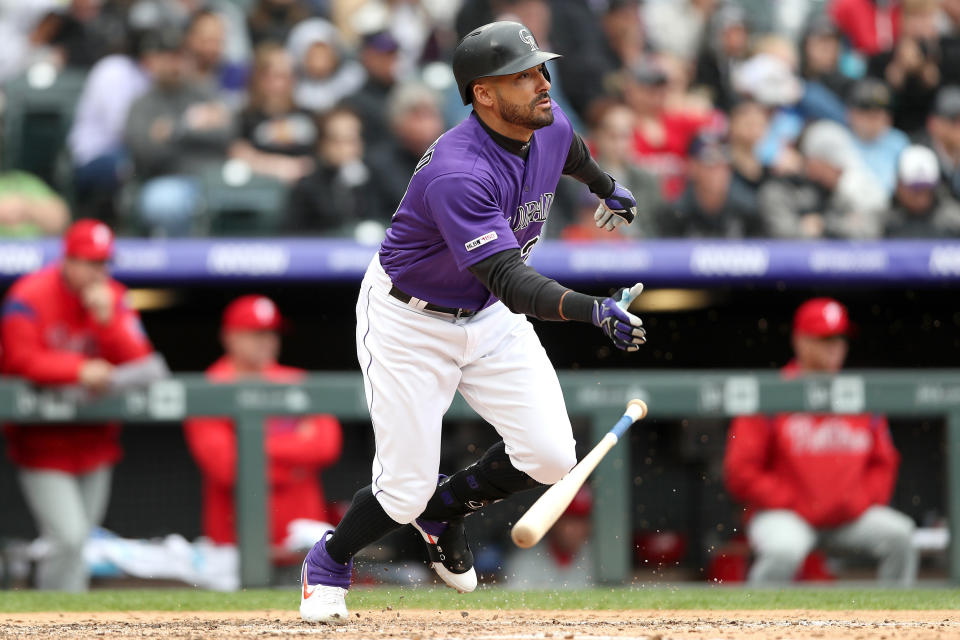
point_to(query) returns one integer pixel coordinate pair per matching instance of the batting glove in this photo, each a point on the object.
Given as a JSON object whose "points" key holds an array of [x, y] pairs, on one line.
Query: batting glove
{"points": [[622, 327], [619, 207]]}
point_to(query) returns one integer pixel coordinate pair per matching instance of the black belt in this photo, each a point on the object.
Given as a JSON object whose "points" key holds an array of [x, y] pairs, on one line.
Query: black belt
{"points": [[417, 303]]}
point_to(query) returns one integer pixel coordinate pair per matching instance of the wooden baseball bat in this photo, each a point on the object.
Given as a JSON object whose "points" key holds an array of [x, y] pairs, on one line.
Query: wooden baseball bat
{"points": [[550, 506]]}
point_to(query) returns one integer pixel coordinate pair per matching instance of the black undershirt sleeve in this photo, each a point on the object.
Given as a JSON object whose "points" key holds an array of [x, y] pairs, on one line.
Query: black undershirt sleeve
{"points": [[525, 291], [581, 165]]}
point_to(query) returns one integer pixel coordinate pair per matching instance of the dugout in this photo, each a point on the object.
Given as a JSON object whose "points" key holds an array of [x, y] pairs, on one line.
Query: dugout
{"points": [[727, 323]]}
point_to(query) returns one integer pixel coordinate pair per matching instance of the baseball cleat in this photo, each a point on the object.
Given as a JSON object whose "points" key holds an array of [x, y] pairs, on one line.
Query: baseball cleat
{"points": [[450, 555], [325, 583]]}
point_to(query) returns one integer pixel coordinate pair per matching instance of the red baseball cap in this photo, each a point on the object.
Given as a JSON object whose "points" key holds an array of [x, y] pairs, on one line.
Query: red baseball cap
{"points": [[89, 240], [253, 313], [821, 318]]}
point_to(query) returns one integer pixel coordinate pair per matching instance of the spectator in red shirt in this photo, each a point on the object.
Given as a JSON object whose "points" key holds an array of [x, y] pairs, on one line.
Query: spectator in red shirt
{"points": [[810, 479], [662, 135], [68, 324], [296, 447]]}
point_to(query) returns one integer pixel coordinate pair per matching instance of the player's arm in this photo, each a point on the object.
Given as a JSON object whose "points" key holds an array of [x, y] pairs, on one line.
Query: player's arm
{"points": [[523, 290], [617, 204]]}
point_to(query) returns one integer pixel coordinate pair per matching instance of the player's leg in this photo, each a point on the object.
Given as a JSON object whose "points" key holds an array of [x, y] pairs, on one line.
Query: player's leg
{"points": [[56, 504], [95, 493], [410, 377], [887, 535], [511, 384], [780, 540]]}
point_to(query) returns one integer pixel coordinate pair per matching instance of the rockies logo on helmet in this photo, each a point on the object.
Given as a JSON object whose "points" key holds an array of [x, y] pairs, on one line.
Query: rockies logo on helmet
{"points": [[528, 39]]}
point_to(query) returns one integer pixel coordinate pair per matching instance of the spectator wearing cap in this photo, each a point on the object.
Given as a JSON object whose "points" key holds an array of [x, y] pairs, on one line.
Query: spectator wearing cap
{"points": [[277, 138], [818, 480], [564, 559], [879, 144], [835, 196], [912, 67], [943, 129], [342, 196], [726, 47], [296, 447], [662, 134], [174, 132], [378, 55], [711, 206], [68, 324], [921, 206], [325, 73]]}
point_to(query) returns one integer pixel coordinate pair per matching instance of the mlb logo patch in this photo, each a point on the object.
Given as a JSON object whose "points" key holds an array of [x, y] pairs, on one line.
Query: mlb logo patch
{"points": [[482, 240]]}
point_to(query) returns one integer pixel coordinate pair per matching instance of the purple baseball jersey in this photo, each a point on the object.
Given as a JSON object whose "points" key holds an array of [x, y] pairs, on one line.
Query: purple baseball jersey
{"points": [[468, 199]]}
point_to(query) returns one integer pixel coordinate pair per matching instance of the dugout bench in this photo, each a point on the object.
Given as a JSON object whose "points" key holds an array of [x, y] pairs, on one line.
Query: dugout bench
{"points": [[599, 396]]}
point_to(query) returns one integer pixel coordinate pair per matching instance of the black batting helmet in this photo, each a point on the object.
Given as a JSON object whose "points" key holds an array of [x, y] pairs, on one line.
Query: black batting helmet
{"points": [[496, 49]]}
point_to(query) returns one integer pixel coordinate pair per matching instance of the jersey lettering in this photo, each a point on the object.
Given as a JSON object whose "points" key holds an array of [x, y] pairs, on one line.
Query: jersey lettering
{"points": [[533, 211], [427, 157], [528, 247]]}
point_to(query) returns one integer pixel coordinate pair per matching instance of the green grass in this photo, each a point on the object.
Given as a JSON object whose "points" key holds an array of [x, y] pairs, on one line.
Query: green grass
{"points": [[654, 597]]}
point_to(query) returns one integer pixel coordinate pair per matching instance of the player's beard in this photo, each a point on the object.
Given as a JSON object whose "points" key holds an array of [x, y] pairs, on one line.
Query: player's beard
{"points": [[529, 116]]}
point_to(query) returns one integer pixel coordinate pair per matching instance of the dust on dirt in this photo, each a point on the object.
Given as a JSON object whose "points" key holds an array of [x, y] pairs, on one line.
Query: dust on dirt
{"points": [[495, 625]]}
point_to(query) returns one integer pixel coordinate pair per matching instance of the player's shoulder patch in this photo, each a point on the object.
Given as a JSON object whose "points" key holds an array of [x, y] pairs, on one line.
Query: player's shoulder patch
{"points": [[479, 241]]}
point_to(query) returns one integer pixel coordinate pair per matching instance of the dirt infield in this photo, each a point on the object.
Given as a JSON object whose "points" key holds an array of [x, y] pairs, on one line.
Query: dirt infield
{"points": [[496, 625]]}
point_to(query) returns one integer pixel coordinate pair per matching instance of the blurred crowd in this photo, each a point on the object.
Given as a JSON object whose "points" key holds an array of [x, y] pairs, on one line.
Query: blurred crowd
{"points": [[727, 118]]}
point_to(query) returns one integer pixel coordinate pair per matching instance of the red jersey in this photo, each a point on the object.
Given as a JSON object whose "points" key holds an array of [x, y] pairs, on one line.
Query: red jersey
{"points": [[47, 334], [296, 449], [827, 468]]}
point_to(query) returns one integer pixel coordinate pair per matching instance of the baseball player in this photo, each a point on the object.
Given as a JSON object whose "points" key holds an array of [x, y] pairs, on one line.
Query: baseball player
{"points": [[443, 306], [69, 324], [818, 479]]}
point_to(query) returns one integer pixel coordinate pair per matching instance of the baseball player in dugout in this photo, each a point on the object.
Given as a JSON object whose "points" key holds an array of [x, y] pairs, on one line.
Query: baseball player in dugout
{"points": [[69, 324], [818, 480], [297, 447], [443, 306]]}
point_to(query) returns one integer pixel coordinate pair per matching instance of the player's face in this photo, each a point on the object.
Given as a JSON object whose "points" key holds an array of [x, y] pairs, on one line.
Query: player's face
{"points": [[252, 350], [523, 99], [80, 274], [825, 355]]}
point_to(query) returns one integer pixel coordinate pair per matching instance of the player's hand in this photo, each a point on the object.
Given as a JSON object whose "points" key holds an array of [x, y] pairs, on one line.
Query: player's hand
{"points": [[99, 300], [616, 209], [622, 327], [95, 374]]}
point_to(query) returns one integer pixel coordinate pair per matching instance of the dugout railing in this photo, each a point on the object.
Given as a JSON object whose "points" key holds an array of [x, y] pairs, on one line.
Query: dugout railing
{"points": [[598, 396]]}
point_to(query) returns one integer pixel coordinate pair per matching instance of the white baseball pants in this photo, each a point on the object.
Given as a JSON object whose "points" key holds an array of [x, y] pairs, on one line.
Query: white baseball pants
{"points": [[781, 540], [413, 363]]}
